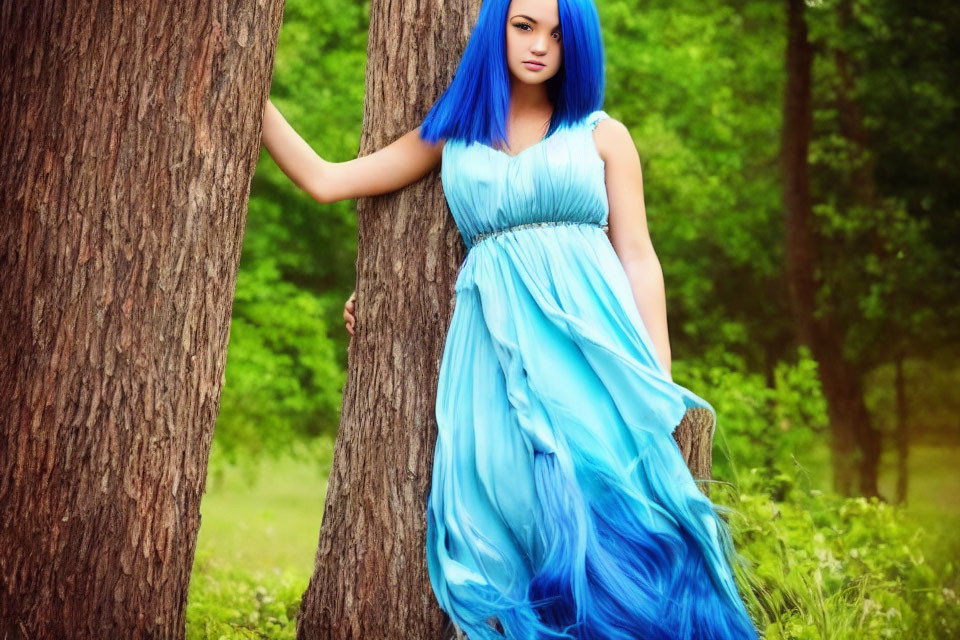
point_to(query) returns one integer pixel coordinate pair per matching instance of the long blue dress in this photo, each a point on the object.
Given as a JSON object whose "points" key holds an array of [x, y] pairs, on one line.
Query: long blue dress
{"points": [[560, 504]]}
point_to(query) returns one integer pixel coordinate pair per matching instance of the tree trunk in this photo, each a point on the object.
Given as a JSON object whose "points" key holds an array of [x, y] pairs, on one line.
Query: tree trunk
{"points": [[370, 577], [130, 133], [694, 436], [843, 387], [795, 143], [841, 380], [902, 431]]}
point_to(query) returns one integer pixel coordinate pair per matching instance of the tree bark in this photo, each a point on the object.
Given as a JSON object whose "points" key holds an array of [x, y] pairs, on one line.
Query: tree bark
{"points": [[694, 436], [130, 133], [370, 578]]}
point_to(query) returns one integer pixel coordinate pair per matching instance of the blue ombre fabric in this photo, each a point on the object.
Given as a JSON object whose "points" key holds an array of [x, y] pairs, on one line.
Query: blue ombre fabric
{"points": [[561, 506]]}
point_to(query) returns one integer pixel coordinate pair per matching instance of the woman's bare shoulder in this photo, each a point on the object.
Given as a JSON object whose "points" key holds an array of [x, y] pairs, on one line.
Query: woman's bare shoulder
{"points": [[613, 140]]}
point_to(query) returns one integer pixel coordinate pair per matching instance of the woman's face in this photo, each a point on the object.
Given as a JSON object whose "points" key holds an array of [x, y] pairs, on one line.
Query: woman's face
{"points": [[533, 34]]}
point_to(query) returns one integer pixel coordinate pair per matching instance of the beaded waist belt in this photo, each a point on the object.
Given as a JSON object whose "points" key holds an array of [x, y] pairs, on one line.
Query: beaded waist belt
{"points": [[488, 234]]}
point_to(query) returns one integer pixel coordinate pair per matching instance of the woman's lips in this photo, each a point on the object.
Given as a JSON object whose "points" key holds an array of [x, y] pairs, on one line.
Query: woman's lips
{"points": [[533, 66]]}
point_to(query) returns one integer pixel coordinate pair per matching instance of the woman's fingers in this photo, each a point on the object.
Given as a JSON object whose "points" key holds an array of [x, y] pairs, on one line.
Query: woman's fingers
{"points": [[349, 318]]}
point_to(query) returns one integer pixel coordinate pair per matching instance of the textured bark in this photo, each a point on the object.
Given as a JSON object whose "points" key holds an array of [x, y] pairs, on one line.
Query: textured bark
{"points": [[370, 578], [694, 436], [130, 133]]}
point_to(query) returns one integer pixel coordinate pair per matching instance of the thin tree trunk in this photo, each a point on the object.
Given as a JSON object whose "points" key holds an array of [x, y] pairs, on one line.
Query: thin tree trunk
{"points": [[902, 432], [843, 387], [370, 577], [130, 133]]}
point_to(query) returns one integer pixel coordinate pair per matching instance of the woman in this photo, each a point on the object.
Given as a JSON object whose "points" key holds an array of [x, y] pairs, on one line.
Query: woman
{"points": [[560, 504]]}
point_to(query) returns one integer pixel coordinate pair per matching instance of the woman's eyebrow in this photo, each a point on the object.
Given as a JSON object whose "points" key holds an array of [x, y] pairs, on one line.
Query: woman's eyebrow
{"points": [[520, 15]]}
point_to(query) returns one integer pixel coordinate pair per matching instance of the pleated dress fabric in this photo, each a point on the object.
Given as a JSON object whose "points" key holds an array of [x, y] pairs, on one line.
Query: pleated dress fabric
{"points": [[560, 504]]}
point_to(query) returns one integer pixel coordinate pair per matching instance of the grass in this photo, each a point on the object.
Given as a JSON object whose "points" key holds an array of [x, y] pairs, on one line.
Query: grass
{"points": [[933, 486], [259, 534], [269, 524]]}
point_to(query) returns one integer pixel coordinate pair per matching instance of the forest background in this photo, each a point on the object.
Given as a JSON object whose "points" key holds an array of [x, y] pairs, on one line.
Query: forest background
{"points": [[701, 86]]}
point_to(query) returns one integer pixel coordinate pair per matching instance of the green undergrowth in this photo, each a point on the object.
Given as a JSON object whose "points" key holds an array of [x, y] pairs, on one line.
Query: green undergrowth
{"points": [[819, 566]]}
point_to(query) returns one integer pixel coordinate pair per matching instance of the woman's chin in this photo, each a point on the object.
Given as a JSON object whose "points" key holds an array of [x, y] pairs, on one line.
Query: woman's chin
{"points": [[531, 77]]}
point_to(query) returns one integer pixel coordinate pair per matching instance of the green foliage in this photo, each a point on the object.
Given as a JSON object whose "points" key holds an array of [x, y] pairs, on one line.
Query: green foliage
{"points": [[283, 381], [287, 353], [230, 603], [694, 83], [772, 427], [257, 541], [819, 567], [883, 181], [932, 404], [825, 567]]}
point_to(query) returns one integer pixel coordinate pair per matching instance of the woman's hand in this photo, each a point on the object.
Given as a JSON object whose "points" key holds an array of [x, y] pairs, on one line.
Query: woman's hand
{"points": [[349, 316]]}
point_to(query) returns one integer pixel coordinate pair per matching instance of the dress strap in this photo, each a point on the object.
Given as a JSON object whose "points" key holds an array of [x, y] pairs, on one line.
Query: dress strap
{"points": [[596, 117]]}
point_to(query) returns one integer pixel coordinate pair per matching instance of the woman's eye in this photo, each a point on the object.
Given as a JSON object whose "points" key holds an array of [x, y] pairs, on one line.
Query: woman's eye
{"points": [[525, 26]]}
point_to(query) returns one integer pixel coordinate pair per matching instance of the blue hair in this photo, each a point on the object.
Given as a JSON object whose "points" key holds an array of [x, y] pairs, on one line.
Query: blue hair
{"points": [[476, 104]]}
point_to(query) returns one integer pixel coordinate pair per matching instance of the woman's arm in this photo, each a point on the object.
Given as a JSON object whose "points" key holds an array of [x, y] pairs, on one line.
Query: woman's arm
{"points": [[402, 162], [628, 231]]}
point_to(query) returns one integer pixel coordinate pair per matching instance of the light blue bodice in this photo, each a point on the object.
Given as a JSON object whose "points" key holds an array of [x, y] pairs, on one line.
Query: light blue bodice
{"points": [[559, 179]]}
